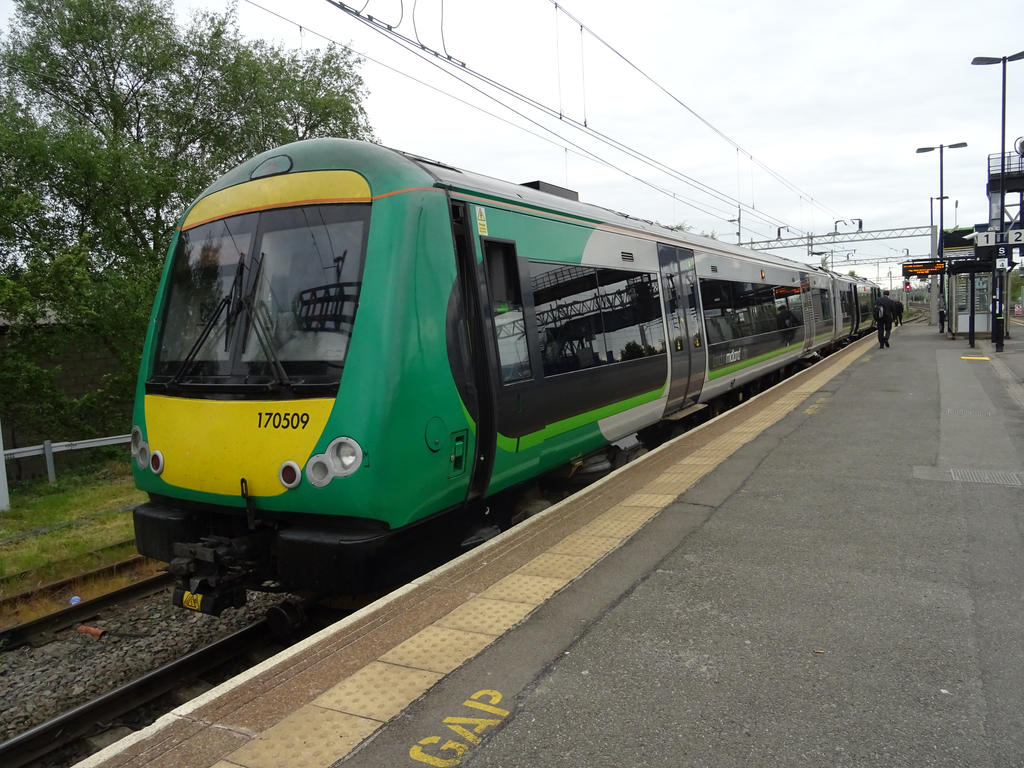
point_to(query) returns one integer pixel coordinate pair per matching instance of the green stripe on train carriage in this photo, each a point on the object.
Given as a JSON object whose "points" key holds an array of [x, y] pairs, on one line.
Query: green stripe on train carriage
{"points": [[752, 361], [584, 419]]}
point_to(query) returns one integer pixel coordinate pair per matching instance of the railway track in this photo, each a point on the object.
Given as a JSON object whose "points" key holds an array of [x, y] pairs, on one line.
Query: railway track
{"points": [[55, 737], [54, 588], [45, 628]]}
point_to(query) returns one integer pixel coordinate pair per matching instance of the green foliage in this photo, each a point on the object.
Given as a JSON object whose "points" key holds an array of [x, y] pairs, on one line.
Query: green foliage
{"points": [[112, 119]]}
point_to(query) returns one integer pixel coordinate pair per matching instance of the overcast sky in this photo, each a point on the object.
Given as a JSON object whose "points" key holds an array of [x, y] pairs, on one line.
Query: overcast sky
{"points": [[830, 99]]}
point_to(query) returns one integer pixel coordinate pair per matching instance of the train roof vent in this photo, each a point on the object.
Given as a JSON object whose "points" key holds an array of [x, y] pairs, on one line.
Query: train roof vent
{"points": [[714, 268], [626, 256], [552, 189]]}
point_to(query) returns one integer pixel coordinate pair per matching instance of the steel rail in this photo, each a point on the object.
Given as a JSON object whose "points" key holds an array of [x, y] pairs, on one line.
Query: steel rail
{"points": [[63, 730], [17, 636]]}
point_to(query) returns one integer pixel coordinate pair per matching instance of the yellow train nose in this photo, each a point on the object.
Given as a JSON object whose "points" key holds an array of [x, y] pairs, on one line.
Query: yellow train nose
{"points": [[209, 445]]}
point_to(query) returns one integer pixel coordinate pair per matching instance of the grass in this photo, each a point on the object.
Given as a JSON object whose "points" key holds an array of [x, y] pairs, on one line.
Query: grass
{"points": [[53, 532]]}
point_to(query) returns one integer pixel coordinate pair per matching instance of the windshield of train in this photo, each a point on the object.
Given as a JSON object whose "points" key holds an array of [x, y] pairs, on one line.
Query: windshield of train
{"points": [[263, 300]]}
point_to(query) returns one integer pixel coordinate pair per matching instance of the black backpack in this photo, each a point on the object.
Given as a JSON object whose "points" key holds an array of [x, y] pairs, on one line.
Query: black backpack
{"points": [[879, 311]]}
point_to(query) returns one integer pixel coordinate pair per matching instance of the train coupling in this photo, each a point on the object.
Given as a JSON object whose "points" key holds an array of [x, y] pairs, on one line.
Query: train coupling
{"points": [[213, 573]]}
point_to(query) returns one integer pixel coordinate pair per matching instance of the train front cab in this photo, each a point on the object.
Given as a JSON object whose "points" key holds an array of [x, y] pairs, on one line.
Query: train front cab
{"points": [[309, 469]]}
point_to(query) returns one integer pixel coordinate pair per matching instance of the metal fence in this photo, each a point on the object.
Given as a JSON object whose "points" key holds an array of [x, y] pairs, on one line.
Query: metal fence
{"points": [[47, 449]]}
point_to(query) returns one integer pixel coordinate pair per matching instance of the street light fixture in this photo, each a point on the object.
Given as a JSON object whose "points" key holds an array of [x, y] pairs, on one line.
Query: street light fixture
{"points": [[942, 204], [997, 331]]}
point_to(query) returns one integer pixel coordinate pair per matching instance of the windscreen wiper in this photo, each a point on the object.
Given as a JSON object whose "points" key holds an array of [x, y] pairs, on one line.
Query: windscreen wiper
{"points": [[230, 301], [194, 352], [263, 337]]}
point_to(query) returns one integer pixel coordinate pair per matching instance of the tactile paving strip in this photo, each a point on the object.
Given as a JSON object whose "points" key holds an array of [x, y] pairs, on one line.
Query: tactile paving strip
{"points": [[437, 649], [486, 616], [557, 566], [311, 737], [523, 588], [378, 691]]}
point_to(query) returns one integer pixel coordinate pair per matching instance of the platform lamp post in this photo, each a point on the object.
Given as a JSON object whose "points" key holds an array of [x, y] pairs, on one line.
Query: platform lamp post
{"points": [[931, 218], [997, 326], [941, 299], [942, 205]]}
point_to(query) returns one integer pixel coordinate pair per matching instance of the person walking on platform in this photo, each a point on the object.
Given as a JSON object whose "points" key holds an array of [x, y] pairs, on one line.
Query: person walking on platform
{"points": [[885, 311], [898, 318]]}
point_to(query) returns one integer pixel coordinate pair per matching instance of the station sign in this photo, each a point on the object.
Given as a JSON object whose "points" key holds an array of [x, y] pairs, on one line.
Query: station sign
{"points": [[1013, 237], [921, 268], [997, 254]]}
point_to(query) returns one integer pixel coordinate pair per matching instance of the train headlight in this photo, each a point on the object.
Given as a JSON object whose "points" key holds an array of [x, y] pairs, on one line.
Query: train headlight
{"points": [[342, 457], [140, 450], [346, 455], [143, 457], [318, 471]]}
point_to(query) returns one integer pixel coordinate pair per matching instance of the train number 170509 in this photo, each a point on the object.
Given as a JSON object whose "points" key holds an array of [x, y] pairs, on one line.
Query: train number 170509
{"points": [[273, 420]]}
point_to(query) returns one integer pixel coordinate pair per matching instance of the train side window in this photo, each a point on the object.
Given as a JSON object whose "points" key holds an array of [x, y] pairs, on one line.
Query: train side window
{"points": [[719, 310], [569, 322], [630, 314], [507, 309], [845, 306]]}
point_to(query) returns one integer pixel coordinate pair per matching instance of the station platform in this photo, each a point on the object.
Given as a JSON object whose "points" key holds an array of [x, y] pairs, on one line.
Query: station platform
{"points": [[828, 575]]}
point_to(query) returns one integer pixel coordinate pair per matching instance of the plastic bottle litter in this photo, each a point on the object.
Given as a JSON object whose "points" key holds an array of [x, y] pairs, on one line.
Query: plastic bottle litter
{"points": [[74, 600]]}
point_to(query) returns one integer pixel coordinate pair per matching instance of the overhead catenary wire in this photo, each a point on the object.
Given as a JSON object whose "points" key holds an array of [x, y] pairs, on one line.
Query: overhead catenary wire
{"points": [[778, 177], [418, 47], [561, 144], [420, 50], [560, 140], [636, 154]]}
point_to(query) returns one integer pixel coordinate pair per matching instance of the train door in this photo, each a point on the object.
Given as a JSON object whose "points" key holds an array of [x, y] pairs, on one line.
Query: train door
{"points": [[513, 322], [807, 310], [851, 297], [687, 358], [479, 388]]}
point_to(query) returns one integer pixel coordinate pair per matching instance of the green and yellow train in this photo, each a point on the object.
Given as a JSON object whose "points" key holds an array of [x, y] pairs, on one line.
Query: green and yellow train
{"points": [[353, 350]]}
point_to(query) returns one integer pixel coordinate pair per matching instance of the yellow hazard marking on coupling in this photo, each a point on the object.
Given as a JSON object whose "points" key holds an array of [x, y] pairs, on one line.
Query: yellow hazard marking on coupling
{"points": [[968, 357], [192, 601], [468, 729], [481, 221]]}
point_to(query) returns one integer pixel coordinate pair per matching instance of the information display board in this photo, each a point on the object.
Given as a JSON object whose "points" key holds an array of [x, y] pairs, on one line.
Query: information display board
{"points": [[922, 268]]}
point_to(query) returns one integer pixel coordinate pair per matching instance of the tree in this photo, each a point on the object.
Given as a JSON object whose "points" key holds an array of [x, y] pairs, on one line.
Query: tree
{"points": [[112, 119]]}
